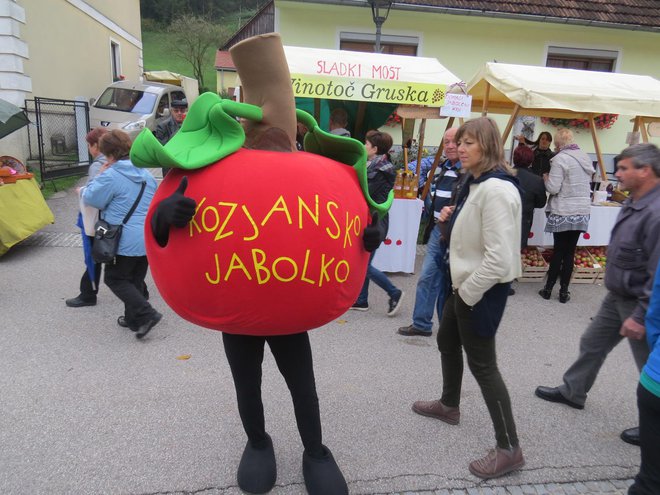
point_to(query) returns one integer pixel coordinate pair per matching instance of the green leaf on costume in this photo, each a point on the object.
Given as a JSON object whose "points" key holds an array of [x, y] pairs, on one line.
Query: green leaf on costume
{"points": [[345, 150], [209, 133]]}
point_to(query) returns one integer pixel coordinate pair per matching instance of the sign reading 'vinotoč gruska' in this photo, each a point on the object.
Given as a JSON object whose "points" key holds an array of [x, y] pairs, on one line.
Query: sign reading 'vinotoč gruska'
{"points": [[364, 81]]}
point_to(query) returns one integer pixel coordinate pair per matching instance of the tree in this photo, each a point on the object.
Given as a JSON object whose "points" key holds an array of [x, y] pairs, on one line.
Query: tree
{"points": [[192, 37]]}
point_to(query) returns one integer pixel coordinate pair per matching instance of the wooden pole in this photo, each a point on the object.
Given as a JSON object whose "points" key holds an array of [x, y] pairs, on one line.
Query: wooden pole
{"points": [[509, 125], [420, 148], [601, 165], [436, 160], [404, 145], [642, 127], [317, 110], [484, 106], [359, 120]]}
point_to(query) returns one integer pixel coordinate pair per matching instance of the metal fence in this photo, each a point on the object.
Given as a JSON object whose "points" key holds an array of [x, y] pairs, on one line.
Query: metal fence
{"points": [[57, 140]]}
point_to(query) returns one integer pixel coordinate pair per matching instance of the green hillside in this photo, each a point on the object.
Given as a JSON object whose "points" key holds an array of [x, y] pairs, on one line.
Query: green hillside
{"points": [[157, 56]]}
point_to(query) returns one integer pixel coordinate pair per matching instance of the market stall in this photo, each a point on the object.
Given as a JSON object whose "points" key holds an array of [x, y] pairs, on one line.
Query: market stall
{"points": [[23, 211], [368, 80], [565, 93], [601, 222]]}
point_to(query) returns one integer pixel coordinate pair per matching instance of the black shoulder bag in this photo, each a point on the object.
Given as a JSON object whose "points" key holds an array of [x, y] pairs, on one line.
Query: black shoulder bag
{"points": [[106, 236]]}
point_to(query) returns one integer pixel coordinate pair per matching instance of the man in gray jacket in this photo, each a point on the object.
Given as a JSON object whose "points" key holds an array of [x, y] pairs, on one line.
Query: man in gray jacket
{"points": [[632, 259]]}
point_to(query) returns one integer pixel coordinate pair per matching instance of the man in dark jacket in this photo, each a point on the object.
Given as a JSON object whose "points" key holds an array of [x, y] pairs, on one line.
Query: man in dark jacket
{"points": [[166, 129], [633, 256]]}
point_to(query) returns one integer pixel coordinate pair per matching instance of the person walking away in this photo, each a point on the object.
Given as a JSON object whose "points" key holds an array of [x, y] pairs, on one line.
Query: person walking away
{"points": [[568, 209], [647, 481], [380, 176], [484, 241], [114, 191], [533, 187], [88, 291], [632, 260], [432, 285]]}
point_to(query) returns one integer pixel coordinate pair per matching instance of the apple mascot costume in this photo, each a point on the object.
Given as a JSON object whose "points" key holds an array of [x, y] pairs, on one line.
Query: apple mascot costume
{"points": [[248, 236]]}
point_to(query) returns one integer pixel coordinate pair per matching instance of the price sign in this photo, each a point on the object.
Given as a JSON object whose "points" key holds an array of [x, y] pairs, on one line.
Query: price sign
{"points": [[456, 105]]}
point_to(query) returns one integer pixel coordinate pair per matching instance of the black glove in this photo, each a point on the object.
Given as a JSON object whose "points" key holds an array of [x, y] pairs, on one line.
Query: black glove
{"points": [[373, 234], [176, 210]]}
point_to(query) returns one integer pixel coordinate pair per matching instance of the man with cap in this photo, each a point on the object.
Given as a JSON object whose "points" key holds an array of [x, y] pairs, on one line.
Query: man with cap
{"points": [[166, 129]]}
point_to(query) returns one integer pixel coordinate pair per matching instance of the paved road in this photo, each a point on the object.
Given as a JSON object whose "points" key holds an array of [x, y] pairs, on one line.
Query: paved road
{"points": [[86, 408]]}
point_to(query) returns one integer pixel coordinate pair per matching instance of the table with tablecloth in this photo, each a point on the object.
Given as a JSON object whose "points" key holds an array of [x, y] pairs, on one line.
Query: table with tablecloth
{"points": [[601, 222], [397, 252], [23, 211]]}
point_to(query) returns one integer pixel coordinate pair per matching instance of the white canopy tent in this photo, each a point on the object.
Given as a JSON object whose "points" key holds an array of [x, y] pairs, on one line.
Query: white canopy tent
{"points": [[375, 77], [565, 93]]}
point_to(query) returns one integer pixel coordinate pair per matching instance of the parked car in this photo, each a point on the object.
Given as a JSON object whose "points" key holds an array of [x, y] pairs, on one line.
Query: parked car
{"points": [[132, 106]]}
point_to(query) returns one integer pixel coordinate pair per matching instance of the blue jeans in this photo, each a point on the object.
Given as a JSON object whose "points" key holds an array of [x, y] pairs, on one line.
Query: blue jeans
{"points": [[380, 279], [432, 284]]}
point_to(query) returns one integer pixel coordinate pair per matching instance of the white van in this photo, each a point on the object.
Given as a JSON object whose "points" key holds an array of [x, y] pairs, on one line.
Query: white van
{"points": [[133, 106]]}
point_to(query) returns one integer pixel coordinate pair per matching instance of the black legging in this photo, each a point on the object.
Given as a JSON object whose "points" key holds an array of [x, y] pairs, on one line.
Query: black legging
{"points": [[293, 356], [562, 259]]}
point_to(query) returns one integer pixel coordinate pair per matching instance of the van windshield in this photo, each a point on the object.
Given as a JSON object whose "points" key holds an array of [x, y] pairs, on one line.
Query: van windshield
{"points": [[127, 100]]}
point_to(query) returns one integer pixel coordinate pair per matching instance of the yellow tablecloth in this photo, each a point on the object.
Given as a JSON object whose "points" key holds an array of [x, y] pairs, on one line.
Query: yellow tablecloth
{"points": [[23, 211]]}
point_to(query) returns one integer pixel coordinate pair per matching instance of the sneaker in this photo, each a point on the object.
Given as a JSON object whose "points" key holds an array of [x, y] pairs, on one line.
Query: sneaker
{"points": [[146, 327], [436, 409], [360, 306], [564, 296], [497, 462], [395, 304], [411, 330]]}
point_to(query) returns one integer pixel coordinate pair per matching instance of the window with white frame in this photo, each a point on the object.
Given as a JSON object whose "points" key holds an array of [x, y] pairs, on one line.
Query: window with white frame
{"points": [[582, 58], [115, 60]]}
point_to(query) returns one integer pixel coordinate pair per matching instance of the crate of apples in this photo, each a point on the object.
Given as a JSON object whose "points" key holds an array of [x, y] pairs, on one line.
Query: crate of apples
{"points": [[599, 253], [531, 256], [583, 259]]}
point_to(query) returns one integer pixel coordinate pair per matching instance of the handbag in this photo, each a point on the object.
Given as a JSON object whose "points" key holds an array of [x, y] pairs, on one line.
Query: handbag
{"points": [[107, 236]]}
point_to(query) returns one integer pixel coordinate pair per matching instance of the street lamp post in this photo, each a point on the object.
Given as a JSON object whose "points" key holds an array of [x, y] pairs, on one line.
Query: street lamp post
{"points": [[380, 9]]}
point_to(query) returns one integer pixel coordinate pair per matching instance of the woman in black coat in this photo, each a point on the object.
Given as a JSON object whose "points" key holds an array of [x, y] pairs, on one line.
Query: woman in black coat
{"points": [[534, 195]]}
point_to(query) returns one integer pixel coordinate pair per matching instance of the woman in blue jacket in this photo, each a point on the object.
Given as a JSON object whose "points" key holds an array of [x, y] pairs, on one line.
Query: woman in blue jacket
{"points": [[647, 481], [113, 192]]}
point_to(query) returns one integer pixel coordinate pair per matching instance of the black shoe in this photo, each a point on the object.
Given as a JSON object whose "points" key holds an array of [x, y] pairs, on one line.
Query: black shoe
{"points": [[553, 394], [564, 296], [79, 302], [257, 470], [411, 330], [631, 435], [322, 475], [512, 291], [360, 306], [545, 293], [395, 304], [146, 327], [121, 321]]}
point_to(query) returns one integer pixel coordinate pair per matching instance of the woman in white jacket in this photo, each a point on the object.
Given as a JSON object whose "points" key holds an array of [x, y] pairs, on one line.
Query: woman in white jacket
{"points": [[484, 257], [568, 209]]}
